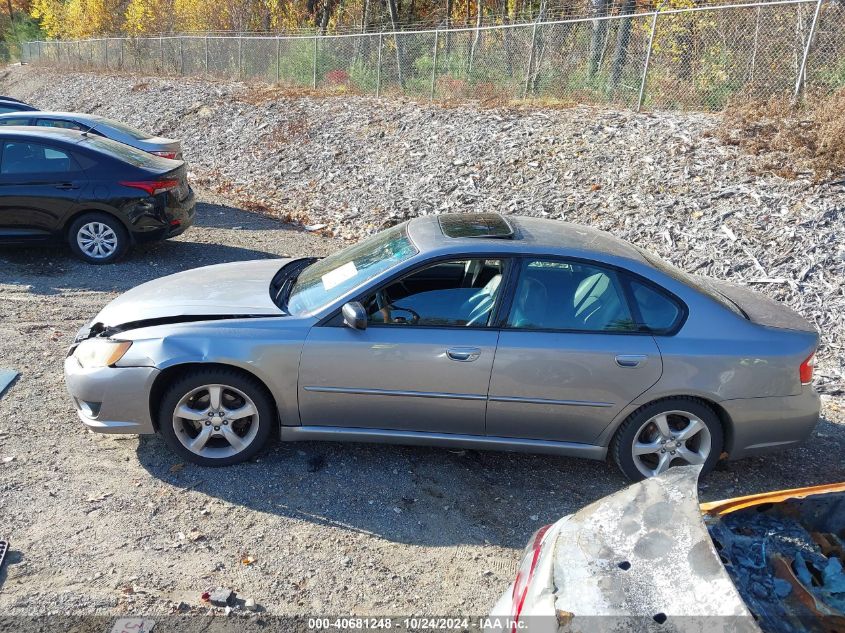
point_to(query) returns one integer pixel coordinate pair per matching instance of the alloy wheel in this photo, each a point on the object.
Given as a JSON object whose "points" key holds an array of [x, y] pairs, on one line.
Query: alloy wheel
{"points": [[97, 240], [216, 421], [670, 437]]}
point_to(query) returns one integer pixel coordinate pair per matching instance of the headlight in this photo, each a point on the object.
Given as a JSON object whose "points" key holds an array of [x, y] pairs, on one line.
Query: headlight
{"points": [[100, 352]]}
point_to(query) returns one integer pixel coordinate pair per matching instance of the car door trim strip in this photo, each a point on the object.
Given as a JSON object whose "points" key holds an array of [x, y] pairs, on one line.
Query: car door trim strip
{"points": [[566, 403], [392, 392]]}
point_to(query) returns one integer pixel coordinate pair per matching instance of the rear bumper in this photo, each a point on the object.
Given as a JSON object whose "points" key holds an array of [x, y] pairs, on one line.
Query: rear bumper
{"points": [[761, 425], [178, 219], [111, 399]]}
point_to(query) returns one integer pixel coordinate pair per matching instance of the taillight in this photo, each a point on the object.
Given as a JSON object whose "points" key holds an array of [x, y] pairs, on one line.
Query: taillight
{"points": [[806, 369], [170, 155], [152, 187], [526, 572]]}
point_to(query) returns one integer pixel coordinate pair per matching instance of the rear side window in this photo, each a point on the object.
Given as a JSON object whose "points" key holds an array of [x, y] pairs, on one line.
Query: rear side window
{"points": [[15, 121], [659, 312], [5, 109], [65, 125], [569, 295], [34, 158]]}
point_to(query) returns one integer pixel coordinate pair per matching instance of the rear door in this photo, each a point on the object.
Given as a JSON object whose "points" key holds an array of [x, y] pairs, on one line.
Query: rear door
{"points": [[39, 186], [570, 356]]}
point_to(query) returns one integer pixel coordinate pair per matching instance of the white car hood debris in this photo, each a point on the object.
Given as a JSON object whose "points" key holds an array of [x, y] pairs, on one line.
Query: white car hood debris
{"points": [[240, 288], [644, 552]]}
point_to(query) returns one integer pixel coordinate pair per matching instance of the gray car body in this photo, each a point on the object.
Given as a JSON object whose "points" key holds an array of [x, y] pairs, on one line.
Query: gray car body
{"points": [[549, 392], [102, 126]]}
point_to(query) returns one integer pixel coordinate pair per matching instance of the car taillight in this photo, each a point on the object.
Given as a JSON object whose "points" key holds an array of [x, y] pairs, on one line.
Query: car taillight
{"points": [[170, 155], [152, 187], [526, 572], [806, 369]]}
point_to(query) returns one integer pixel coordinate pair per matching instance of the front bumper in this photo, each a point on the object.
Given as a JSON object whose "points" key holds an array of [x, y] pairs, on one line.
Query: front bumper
{"points": [[111, 399], [761, 425]]}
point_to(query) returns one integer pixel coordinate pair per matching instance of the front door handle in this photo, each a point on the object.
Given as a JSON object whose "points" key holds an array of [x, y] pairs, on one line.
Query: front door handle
{"points": [[631, 360], [463, 354], [65, 186]]}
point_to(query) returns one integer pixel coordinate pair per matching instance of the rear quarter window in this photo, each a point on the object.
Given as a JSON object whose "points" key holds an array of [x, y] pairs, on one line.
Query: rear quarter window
{"points": [[658, 312]]}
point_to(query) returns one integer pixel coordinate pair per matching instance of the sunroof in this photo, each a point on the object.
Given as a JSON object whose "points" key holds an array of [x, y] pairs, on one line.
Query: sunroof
{"points": [[475, 225]]}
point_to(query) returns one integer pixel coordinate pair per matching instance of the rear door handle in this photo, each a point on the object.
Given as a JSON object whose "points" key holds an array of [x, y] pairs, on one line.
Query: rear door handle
{"points": [[463, 354], [66, 186], [631, 360]]}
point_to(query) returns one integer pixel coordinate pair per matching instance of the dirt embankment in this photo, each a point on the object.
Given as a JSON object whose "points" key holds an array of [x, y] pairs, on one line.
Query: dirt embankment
{"points": [[670, 182]]}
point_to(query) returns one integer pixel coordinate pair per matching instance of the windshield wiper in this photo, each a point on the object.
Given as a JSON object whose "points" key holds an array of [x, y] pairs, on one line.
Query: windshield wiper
{"points": [[284, 279]]}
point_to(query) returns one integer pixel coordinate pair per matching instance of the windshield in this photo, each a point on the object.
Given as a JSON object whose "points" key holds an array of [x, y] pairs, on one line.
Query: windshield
{"points": [[694, 281], [134, 132], [128, 154], [326, 280]]}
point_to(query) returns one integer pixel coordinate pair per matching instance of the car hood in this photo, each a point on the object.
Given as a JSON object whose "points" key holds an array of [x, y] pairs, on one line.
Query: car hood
{"points": [[644, 553], [236, 289]]}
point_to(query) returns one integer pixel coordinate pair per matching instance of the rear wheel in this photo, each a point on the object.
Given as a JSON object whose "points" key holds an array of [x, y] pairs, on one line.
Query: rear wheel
{"points": [[667, 433], [216, 417], [98, 238]]}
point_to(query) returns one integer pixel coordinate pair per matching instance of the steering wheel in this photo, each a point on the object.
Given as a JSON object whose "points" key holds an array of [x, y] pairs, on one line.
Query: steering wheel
{"points": [[415, 316]]}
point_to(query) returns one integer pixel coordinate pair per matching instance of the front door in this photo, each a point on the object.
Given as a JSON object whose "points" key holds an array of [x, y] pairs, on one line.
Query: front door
{"points": [[422, 364], [570, 358], [39, 187]]}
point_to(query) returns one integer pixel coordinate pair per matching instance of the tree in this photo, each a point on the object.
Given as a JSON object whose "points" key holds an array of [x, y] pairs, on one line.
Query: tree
{"points": [[597, 43], [623, 39]]}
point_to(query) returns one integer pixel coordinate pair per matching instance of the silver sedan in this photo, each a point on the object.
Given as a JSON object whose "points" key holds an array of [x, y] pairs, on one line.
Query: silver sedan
{"points": [[477, 331], [101, 126]]}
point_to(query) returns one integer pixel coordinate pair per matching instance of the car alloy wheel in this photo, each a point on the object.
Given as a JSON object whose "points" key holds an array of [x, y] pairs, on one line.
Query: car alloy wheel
{"points": [[668, 432], [216, 421], [670, 437], [97, 240]]}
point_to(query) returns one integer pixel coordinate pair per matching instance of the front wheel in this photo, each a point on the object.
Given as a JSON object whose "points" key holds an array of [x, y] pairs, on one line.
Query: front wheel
{"points": [[216, 417], [667, 433]]}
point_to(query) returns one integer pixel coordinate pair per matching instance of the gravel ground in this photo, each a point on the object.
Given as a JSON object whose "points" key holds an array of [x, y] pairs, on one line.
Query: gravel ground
{"points": [[115, 525]]}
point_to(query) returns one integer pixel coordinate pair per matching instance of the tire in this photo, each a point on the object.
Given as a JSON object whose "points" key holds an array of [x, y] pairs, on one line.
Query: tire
{"points": [[98, 238], [682, 416], [192, 394]]}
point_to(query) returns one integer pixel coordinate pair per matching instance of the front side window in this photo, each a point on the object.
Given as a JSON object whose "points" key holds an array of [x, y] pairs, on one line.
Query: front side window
{"points": [[65, 125], [569, 295], [34, 158], [328, 279], [459, 293], [15, 121]]}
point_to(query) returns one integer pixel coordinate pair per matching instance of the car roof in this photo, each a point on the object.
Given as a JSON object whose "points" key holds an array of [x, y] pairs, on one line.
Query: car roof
{"points": [[20, 104], [31, 132], [530, 235], [36, 114]]}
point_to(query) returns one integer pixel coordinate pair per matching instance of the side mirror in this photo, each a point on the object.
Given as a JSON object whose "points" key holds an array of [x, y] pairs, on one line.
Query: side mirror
{"points": [[354, 315]]}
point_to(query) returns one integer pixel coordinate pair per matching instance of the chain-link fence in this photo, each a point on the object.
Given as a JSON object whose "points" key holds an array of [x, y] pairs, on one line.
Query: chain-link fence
{"points": [[696, 58]]}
